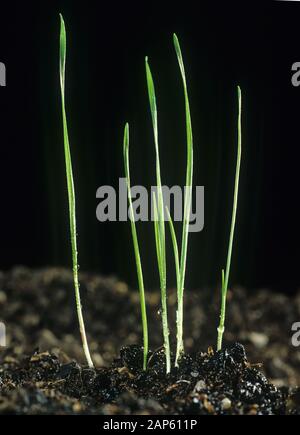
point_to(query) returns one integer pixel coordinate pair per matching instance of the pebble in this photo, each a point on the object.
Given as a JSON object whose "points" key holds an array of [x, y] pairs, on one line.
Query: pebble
{"points": [[226, 404], [200, 386], [258, 339]]}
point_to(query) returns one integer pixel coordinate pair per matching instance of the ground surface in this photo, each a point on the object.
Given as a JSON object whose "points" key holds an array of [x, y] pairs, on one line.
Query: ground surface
{"points": [[41, 369]]}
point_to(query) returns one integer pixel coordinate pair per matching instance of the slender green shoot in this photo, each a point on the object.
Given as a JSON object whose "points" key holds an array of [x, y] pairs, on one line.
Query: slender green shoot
{"points": [[71, 192], [175, 247], [187, 206], [162, 271], [156, 233], [136, 248], [225, 277], [159, 223]]}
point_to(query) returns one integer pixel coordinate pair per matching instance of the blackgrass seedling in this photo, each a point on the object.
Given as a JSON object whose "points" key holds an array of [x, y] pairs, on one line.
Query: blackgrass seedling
{"points": [[71, 191], [136, 247], [159, 220], [187, 208], [225, 277], [180, 263]]}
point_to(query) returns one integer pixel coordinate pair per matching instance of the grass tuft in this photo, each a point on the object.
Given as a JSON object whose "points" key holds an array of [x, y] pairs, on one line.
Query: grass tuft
{"points": [[159, 212], [136, 248], [71, 192], [225, 277]]}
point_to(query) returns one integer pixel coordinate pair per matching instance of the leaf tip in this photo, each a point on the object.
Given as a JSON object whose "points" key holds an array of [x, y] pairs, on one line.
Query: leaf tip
{"points": [[176, 43], [62, 22]]}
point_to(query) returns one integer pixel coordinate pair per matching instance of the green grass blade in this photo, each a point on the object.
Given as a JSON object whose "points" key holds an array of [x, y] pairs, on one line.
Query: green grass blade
{"points": [[175, 247], [156, 233], [187, 204], [136, 248], [233, 219], [163, 289], [152, 102], [153, 109], [71, 192], [160, 229]]}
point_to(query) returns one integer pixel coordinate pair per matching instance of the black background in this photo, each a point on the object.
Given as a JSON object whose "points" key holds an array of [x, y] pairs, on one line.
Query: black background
{"points": [[253, 45]]}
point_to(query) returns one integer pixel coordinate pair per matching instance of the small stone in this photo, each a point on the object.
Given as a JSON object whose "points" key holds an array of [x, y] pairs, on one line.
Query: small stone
{"points": [[258, 339], [194, 374], [47, 339], [200, 386], [226, 404], [121, 288], [77, 407]]}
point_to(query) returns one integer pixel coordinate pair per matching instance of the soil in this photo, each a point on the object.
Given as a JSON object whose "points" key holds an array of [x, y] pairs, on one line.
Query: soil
{"points": [[42, 369]]}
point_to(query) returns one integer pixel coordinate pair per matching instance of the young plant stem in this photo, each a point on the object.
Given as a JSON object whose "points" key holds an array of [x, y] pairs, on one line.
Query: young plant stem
{"points": [[225, 278], [136, 248], [71, 193], [175, 247], [187, 206], [159, 223]]}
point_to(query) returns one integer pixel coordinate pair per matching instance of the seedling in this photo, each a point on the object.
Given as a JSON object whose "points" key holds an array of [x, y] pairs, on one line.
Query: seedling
{"points": [[159, 220], [136, 247], [159, 215], [225, 277], [71, 192], [187, 208], [180, 265]]}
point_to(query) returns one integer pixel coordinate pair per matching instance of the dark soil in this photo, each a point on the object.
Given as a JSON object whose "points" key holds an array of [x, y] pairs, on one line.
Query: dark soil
{"points": [[42, 368]]}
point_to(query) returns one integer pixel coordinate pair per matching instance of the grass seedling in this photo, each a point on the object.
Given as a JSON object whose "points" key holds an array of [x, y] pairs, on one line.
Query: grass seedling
{"points": [[159, 222], [71, 192], [225, 277], [180, 265], [136, 247], [187, 210]]}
